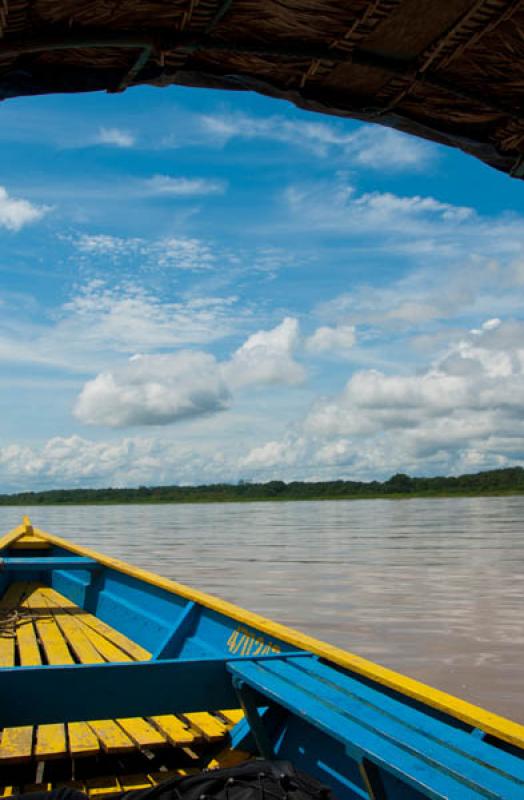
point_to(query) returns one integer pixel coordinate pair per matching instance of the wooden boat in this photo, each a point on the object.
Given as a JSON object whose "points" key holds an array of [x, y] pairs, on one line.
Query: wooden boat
{"points": [[113, 678]]}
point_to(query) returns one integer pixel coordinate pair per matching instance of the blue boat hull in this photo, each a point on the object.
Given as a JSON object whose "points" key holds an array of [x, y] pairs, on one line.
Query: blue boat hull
{"points": [[362, 729]]}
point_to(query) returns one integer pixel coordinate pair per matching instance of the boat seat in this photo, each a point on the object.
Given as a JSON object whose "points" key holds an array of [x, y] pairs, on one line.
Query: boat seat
{"points": [[431, 753], [39, 626]]}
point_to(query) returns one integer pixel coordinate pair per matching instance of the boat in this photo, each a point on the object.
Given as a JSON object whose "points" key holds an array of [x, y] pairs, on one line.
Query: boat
{"points": [[113, 678]]}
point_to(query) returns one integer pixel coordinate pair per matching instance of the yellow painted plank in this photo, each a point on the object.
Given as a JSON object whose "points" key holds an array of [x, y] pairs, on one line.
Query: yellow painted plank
{"points": [[232, 715], [8, 791], [134, 650], [50, 635], [98, 787], [111, 736], [28, 649], [176, 731], [7, 650], [9, 618], [211, 727], [28, 542], [17, 744], [141, 732], [50, 741], [131, 783], [138, 729], [99, 648], [106, 649], [37, 787], [12, 536], [229, 758], [91, 647], [82, 740], [74, 633]]}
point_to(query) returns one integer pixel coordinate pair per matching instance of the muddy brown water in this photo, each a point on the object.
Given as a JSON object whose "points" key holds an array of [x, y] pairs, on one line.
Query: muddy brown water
{"points": [[433, 588]]}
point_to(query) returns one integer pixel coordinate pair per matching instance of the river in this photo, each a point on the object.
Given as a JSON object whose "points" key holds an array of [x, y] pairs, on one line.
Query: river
{"points": [[433, 588]]}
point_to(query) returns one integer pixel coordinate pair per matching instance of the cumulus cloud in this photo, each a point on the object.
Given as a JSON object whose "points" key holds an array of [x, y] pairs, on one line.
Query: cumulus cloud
{"points": [[131, 460], [273, 454], [338, 340], [473, 380], [466, 409], [165, 388], [464, 412], [183, 187], [15, 213], [116, 137], [266, 357], [154, 390]]}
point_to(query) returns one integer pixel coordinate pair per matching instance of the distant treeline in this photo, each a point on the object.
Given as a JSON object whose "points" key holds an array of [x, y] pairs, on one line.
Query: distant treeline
{"points": [[497, 481]]}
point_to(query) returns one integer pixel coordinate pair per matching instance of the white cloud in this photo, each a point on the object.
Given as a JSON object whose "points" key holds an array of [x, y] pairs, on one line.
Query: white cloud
{"points": [[185, 253], [466, 408], [15, 213], [272, 454], [163, 388], [377, 213], [423, 229], [266, 357], [127, 461], [154, 390], [100, 324], [129, 319], [173, 252], [104, 244], [183, 187], [388, 150], [116, 137], [337, 341], [470, 288], [370, 146], [464, 412]]}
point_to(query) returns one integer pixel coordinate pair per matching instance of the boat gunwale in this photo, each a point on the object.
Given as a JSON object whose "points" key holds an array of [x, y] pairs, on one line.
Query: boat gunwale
{"points": [[487, 721]]}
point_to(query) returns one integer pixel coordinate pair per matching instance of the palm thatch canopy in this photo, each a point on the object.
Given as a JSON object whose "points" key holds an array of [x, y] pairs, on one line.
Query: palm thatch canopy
{"points": [[447, 70]]}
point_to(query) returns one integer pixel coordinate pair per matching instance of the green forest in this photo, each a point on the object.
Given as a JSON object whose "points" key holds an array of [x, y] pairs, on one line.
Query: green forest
{"points": [[492, 482]]}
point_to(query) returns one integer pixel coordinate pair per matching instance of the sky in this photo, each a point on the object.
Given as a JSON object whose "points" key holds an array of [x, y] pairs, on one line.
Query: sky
{"points": [[200, 286]]}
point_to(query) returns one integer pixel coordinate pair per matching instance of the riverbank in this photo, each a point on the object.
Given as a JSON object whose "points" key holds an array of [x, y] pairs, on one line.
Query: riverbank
{"points": [[490, 483]]}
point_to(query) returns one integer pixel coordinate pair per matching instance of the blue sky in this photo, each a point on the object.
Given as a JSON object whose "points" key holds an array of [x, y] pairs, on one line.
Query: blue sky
{"points": [[202, 286]]}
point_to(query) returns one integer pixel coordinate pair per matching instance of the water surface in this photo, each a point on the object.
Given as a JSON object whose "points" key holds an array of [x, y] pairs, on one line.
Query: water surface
{"points": [[433, 588]]}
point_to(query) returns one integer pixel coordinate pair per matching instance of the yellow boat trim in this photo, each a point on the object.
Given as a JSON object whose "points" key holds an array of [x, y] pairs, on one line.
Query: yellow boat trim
{"points": [[469, 713]]}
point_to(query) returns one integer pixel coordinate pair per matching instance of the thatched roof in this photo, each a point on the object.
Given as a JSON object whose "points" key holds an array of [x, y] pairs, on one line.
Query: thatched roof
{"points": [[447, 70]]}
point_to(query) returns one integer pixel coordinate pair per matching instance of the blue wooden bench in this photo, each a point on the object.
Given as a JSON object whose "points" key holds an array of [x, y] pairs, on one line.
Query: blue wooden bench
{"points": [[393, 749]]}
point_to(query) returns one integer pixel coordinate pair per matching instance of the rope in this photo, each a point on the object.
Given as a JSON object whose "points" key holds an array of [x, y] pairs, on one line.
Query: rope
{"points": [[10, 619]]}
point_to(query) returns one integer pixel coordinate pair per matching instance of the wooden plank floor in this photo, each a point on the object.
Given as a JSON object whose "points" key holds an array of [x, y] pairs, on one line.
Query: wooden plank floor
{"points": [[40, 626], [101, 787]]}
